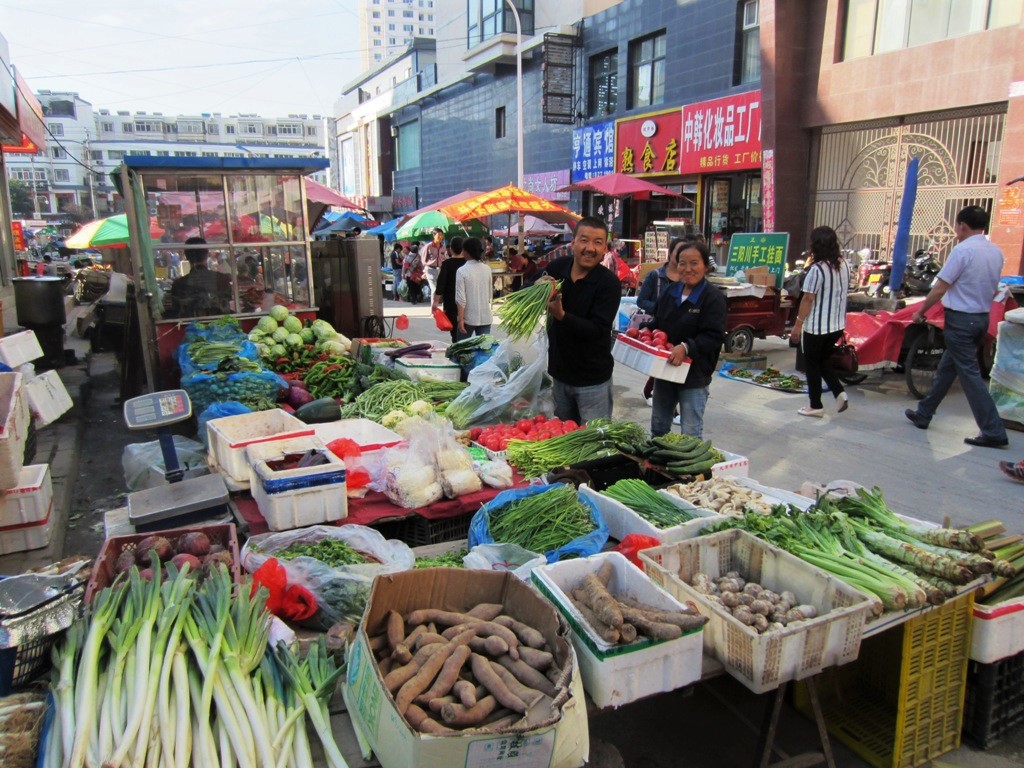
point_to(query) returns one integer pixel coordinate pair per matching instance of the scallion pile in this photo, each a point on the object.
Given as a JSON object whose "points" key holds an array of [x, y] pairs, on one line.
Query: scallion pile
{"points": [[520, 311], [542, 522], [601, 437], [647, 502]]}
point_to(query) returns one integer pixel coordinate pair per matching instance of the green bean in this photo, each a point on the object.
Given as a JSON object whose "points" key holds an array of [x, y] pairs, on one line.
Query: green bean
{"points": [[647, 502], [542, 522]]}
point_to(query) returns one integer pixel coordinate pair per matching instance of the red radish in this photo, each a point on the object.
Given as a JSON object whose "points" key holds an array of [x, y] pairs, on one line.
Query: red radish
{"points": [[159, 544], [194, 543], [180, 561]]}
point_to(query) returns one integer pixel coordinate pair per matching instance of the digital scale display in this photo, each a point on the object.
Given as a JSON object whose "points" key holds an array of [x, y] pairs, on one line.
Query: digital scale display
{"points": [[157, 409]]}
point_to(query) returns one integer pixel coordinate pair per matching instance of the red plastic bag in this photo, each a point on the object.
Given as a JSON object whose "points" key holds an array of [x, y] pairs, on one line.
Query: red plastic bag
{"points": [[295, 602], [633, 543], [402, 322], [441, 320]]}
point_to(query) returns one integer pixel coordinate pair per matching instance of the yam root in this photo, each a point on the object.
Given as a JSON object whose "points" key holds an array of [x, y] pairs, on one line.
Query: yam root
{"points": [[465, 692], [385, 665], [487, 629], [488, 678], [419, 682], [403, 651], [524, 692], [486, 611], [398, 676], [539, 660], [430, 637], [422, 722], [627, 633], [436, 615], [447, 676], [602, 630], [685, 620], [462, 717], [657, 630], [492, 646], [527, 635], [378, 642], [395, 630], [605, 572], [435, 704], [601, 602], [527, 675]]}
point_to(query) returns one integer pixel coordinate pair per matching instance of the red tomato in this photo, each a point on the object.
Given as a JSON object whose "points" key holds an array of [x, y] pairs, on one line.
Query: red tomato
{"points": [[489, 442], [540, 418], [555, 422], [570, 425], [474, 433], [523, 425], [502, 444], [660, 336], [632, 333]]}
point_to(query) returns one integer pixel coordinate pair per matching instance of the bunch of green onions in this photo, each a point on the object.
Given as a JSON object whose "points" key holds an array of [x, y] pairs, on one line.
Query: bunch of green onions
{"points": [[520, 311], [176, 673], [601, 437], [542, 522], [647, 502]]}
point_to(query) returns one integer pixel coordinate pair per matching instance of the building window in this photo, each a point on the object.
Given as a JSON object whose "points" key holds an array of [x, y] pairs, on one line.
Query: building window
{"points": [[252, 129], [647, 71], [391, 14], [230, 129], [376, 56], [289, 130], [61, 174], [376, 29], [107, 127], [99, 178], [499, 123], [115, 154], [490, 18], [407, 14], [128, 127], [879, 26], [139, 152], [407, 146], [55, 129], [376, 14], [604, 87], [58, 154], [391, 27], [95, 154], [407, 27], [749, 65]]}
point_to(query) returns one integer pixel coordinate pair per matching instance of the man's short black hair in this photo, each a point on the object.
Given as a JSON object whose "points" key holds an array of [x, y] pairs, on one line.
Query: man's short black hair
{"points": [[974, 216], [196, 254], [593, 222]]}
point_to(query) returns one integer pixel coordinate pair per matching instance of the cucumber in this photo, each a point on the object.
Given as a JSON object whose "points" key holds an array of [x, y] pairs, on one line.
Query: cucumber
{"points": [[698, 450], [675, 442], [669, 457], [691, 468]]}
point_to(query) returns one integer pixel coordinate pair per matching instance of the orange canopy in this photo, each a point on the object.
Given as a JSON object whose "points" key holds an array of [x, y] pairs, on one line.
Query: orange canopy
{"points": [[509, 199]]}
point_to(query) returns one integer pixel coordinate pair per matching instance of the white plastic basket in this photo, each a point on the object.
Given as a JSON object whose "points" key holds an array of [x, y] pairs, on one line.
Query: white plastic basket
{"points": [[622, 520], [638, 356], [762, 662], [229, 437], [295, 498]]}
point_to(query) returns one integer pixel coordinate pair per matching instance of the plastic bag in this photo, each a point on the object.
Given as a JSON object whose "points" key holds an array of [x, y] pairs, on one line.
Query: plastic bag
{"points": [[584, 546], [204, 389], [503, 557], [223, 329], [441, 320], [340, 592], [511, 385], [216, 411], [631, 545], [143, 463], [246, 349], [403, 289]]}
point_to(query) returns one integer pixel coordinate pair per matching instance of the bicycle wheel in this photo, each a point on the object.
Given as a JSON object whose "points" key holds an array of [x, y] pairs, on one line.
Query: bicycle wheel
{"points": [[921, 363], [851, 378]]}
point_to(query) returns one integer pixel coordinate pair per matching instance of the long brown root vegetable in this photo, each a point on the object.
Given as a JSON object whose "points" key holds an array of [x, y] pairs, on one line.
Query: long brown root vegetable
{"points": [[486, 611], [437, 616], [447, 676], [465, 692], [458, 715], [426, 638], [379, 642], [527, 635], [656, 630], [605, 572], [527, 675], [488, 678], [504, 721], [423, 722], [524, 692], [403, 651], [627, 633], [399, 676], [435, 704], [682, 619], [419, 682], [492, 646], [602, 630], [487, 629], [395, 630], [385, 665], [539, 660], [601, 601]]}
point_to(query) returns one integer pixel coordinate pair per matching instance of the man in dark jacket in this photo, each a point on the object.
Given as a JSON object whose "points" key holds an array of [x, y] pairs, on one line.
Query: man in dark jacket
{"points": [[580, 318]]}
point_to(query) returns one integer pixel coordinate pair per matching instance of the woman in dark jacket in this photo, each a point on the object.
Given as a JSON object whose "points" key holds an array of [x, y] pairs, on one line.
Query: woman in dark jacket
{"points": [[692, 313]]}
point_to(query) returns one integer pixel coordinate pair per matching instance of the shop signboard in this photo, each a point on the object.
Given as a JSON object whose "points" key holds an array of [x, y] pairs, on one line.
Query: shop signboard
{"points": [[593, 151], [722, 135], [19, 235], [648, 145], [758, 249], [545, 184]]}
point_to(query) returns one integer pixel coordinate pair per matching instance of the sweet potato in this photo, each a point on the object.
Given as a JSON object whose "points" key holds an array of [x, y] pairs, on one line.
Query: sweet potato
{"points": [[419, 682], [600, 601], [436, 615], [487, 629], [398, 676], [426, 638], [447, 676], [434, 705], [465, 692], [504, 721], [488, 678], [602, 630], [605, 572], [524, 692], [527, 635], [395, 629], [422, 722], [486, 611], [463, 717], [385, 665], [654, 629], [627, 633], [539, 660], [378, 642], [403, 652], [527, 675], [686, 620], [492, 646]]}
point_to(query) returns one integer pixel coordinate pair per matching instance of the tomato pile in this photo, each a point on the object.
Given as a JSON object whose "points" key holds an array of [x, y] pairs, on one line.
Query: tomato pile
{"points": [[540, 427], [656, 339]]}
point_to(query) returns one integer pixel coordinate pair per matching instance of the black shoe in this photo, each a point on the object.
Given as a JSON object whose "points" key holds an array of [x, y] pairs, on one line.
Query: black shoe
{"points": [[983, 441], [915, 418]]}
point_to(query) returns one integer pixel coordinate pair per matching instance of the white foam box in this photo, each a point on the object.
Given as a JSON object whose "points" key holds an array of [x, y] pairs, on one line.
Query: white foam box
{"points": [[34, 535], [614, 675], [634, 354], [417, 368], [553, 740], [997, 631], [230, 436], [29, 501], [733, 465], [48, 399], [19, 348], [622, 520], [367, 434], [14, 416], [295, 498], [763, 661]]}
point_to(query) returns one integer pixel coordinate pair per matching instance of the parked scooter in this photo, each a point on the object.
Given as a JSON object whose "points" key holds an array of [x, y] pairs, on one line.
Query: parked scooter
{"points": [[918, 277]]}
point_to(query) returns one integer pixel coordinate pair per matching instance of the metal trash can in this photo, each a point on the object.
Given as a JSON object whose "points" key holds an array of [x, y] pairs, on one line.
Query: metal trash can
{"points": [[39, 303]]}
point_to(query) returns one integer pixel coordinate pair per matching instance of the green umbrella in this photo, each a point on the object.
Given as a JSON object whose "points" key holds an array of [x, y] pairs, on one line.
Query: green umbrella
{"points": [[422, 226], [111, 232]]}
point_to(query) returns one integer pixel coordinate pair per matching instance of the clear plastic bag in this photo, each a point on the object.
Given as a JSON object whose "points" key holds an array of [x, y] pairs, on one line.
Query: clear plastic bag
{"points": [[143, 463], [341, 592], [504, 557], [512, 384]]}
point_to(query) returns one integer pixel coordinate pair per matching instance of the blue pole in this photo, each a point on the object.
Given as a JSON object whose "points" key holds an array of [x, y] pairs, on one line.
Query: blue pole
{"points": [[901, 243]]}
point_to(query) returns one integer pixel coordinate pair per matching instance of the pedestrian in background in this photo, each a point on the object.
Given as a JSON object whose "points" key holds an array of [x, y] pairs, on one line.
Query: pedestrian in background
{"points": [[444, 292], [966, 286], [414, 276], [474, 287], [821, 319], [433, 255], [654, 284]]}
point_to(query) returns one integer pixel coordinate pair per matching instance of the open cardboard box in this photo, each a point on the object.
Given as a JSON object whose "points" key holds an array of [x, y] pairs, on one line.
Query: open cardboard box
{"points": [[559, 741]]}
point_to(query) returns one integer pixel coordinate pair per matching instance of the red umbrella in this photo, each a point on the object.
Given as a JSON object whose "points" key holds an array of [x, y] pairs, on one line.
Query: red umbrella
{"points": [[320, 193], [619, 185]]}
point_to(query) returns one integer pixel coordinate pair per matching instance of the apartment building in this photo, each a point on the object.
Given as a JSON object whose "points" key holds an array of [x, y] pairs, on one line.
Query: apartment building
{"points": [[387, 27]]}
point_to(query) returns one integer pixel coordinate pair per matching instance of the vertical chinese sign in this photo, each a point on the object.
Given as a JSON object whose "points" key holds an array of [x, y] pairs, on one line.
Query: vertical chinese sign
{"points": [[768, 191], [648, 145], [722, 135], [593, 151]]}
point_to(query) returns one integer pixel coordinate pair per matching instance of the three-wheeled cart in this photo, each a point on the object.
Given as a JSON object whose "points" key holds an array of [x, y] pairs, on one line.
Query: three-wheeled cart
{"points": [[753, 316]]}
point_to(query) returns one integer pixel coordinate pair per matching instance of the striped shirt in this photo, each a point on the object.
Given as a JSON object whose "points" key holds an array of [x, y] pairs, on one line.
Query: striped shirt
{"points": [[829, 286]]}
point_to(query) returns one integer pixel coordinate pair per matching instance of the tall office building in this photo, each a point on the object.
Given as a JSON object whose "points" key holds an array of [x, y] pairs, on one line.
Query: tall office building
{"points": [[388, 27]]}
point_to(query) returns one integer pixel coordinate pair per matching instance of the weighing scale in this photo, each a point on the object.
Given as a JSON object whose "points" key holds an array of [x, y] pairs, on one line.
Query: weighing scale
{"points": [[180, 501]]}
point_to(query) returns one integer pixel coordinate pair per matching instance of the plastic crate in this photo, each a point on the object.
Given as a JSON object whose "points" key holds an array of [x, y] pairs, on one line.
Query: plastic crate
{"points": [[420, 531], [901, 703], [995, 700], [762, 662], [102, 576], [229, 436], [623, 521], [24, 663], [295, 498]]}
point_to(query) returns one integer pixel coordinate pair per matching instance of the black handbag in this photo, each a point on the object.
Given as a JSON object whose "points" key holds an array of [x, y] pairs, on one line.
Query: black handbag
{"points": [[844, 356]]}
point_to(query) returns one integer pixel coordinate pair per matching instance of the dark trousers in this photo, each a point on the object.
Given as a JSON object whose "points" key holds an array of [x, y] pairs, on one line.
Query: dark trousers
{"points": [[818, 359]]}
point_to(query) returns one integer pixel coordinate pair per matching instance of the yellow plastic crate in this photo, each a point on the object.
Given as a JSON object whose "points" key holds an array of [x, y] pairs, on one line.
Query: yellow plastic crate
{"points": [[901, 703]]}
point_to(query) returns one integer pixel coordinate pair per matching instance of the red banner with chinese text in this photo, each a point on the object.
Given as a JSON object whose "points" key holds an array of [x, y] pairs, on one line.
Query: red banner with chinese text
{"points": [[19, 235], [648, 145], [722, 135]]}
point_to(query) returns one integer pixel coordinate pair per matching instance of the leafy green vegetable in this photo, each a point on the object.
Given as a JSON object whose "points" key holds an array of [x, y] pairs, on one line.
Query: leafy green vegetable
{"points": [[332, 552]]}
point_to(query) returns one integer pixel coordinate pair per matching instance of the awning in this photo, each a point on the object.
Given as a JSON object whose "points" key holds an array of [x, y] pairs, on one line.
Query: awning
{"points": [[320, 193], [30, 121]]}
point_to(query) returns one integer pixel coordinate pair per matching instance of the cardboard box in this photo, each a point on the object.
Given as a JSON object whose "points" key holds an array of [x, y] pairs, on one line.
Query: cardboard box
{"points": [[561, 743], [19, 348], [760, 276], [48, 399], [654, 362]]}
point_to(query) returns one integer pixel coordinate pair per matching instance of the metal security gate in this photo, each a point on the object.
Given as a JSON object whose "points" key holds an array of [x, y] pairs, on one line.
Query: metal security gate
{"points": [[861, 171]]}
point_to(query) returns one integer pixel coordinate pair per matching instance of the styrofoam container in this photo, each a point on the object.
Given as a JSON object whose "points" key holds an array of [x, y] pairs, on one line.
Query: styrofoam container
{"points": [[14, 418], [230, 436], [654, 362], [623, 521], [295, 498], [614, 675], [21, 538], [48, 399], [29, 501], [19, 348], [762, 662], [417, 368], [998, 631], [733, 465], [367, 434]]}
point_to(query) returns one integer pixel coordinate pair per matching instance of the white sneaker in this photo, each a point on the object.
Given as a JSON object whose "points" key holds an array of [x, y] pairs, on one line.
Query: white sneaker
{"points": [[650, 402], [842, 402], [677, 420], [817, 413]]}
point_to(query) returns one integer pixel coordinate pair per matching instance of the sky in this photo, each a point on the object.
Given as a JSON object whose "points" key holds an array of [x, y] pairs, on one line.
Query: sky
{"points": [[188, 56]]}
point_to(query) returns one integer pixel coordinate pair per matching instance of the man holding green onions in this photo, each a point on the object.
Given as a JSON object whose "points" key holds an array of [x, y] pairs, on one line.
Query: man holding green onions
{"points": [[580, 317]]}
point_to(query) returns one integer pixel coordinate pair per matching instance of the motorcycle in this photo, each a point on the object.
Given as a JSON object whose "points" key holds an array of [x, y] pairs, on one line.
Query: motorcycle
{"points": [[918, 277]]}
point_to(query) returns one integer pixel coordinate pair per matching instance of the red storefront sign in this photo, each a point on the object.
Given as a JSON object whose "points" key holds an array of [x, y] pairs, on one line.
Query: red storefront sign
{"points": [[648, 145], [19, 235], [722, 135]]}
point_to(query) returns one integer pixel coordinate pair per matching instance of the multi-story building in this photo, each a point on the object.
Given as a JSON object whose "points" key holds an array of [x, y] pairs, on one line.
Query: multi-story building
{"points": [[85, 145], [387, 27]]}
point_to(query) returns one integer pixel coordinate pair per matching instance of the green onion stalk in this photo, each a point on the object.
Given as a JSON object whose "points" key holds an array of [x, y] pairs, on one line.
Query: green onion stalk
{"points": [[600, 437], [543, 521], [519, 312], [647, 502]]}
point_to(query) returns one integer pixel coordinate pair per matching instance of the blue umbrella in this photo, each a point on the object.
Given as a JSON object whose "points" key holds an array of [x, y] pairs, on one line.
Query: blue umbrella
{"points": [[901, 244], [388, 229], [344, 221]]}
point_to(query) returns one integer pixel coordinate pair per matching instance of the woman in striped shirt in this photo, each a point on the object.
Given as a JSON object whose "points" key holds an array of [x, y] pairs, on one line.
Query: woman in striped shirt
{"points": [[821, 319]]}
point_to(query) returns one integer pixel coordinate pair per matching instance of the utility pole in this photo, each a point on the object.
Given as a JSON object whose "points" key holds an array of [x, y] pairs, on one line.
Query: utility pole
{"points": [[35, 190], [88, 164]]}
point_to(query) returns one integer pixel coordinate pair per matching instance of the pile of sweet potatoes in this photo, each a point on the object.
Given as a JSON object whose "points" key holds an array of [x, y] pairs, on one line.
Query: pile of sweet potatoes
{"points": [[479, 669]]}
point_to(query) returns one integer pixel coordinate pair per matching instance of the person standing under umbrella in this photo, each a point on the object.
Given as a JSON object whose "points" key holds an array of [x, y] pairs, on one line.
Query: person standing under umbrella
{"points": [[474, 288], [444, 293], [433, 255]]}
